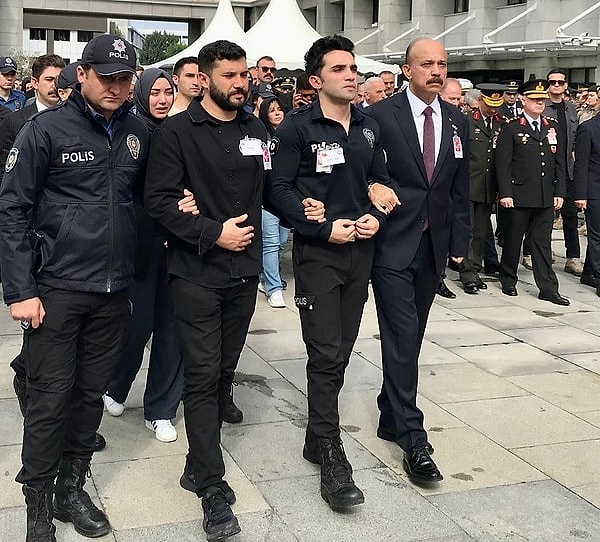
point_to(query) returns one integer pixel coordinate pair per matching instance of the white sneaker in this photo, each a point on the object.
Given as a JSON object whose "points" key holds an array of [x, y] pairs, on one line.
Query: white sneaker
{"points": [[276, 300], [112, 407], [261, 288], [163, 430]]}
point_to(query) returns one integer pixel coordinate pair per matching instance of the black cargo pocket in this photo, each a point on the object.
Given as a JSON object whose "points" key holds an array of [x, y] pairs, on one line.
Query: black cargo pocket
{"points": [[305, 301]]}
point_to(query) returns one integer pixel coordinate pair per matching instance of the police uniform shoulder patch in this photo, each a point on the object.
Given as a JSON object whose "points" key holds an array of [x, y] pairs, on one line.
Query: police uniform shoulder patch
{"points": [[11, 159], [369, 136], [133, 144], [274, 146]]}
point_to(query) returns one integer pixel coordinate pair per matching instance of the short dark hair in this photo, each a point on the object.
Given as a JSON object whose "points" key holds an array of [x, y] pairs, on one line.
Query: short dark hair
{"points": [[313, 59], [302, 82], [218, 50], [182, 62], [46, 61], [266, 57], [386, 72], [557, 70]]}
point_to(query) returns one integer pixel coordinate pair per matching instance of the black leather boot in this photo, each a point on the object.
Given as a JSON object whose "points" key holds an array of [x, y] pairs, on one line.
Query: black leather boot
{"points": [[20, 386], [337, 486], [73, 504], [188, 482], [231, 413], [219, 521], [39, 513]]}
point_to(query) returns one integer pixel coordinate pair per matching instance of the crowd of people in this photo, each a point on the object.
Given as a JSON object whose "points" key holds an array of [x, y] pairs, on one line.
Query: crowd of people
{"points": [[138, 203]]}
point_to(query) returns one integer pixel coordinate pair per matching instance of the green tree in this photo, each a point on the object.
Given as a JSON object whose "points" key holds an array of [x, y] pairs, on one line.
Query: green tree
{"points": [[159, 46]]}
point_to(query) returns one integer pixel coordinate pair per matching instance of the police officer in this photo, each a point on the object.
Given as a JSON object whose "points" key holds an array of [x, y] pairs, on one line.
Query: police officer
{"points": [[484, 127], [66, 251], [330, 151], [531, 181], [9, 97]]}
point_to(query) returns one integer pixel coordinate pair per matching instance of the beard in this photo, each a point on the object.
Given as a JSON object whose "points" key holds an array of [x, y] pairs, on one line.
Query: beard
{"points": [[224, 101]]}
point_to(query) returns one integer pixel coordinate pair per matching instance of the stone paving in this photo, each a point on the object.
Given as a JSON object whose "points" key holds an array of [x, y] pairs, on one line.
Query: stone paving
{"points": [[510, 388]]}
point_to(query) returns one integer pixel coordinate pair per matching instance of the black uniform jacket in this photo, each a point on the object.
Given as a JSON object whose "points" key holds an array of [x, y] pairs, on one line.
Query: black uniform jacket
{"points": [[194, 150], [9, 128], [587, 160], [482, 148], [72, 183], [530, 169], [344, 189], [569, 141]]}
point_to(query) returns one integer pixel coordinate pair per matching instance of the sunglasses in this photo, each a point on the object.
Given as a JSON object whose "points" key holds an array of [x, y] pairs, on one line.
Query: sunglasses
{"points": [[557, 82], [266, 69]]}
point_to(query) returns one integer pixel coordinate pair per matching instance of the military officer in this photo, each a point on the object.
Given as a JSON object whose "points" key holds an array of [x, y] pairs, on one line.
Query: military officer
{"points": [[484, 127], [512, 107], [531, 185]]}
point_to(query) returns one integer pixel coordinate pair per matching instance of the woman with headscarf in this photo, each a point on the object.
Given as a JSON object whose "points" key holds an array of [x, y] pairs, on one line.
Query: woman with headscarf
{"points": [[150, 296], [274, 235]]}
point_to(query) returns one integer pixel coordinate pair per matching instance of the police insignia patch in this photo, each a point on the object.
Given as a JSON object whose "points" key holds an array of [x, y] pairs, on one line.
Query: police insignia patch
{"points": [[133, 144], [11, 159], [369, 136], [273, 146]]}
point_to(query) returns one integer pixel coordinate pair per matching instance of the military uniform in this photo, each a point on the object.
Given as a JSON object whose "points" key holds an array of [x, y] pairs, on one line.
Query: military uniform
{"points": [[530, 169], [482, 188]]}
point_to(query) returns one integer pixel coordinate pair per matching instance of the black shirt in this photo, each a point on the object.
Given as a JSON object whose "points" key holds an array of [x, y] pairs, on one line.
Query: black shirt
{"points": [[344, 190], [194, 150]]}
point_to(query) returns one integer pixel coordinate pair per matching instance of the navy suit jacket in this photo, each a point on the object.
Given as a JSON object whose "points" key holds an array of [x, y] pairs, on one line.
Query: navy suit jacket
{"points": [[444, 202], [587, 160]]}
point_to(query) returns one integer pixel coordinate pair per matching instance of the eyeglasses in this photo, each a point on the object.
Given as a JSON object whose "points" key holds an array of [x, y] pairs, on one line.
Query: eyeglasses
{"points": [[557, 82], [266, 69]]}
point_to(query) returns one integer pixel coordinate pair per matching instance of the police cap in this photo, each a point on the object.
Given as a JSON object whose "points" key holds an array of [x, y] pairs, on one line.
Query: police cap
{"points": [[534, 88], [512, 86], [7, 65], [109, 54], [265, 90], [492, 93]]}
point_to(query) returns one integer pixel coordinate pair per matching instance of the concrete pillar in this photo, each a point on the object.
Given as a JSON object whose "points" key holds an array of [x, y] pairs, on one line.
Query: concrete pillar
{"points": [[11, 26], [195, 29]]}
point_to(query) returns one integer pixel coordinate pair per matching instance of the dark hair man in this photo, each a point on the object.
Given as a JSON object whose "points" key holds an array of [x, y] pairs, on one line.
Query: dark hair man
{"points": [[305, 94], [185, 77], [531, 185], [566, 115], [66, 250], [389, 81], [332, 259], [426, 143], [265, 69], [217, 151]]}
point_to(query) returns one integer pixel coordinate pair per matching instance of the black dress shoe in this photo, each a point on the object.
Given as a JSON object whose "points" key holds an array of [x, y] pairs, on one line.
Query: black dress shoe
{"points": [[419, 466], [99, 443], [589, 280], [388, 434], [444, 291], [510, 290], [492, 269], [452, 265], [470, 287], [598, 291], [480, 284], [219, 521], [555, 298]]}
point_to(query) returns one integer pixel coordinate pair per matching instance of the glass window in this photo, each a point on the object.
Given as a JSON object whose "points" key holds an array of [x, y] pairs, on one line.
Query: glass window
{"points": [[461, 6], [62, 35], [83, 36], [37, 34]]}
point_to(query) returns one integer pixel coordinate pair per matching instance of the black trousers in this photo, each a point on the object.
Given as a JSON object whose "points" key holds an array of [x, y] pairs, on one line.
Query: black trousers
{"points": [[69, 361], [212, 324], [592, 256], [568, 212], [480, 224], [538, 221], [403, 300], [331, 290], [152, 316]]}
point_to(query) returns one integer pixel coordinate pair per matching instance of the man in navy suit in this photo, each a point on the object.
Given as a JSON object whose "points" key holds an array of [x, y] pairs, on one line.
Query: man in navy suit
{"points": [[426, 142]]}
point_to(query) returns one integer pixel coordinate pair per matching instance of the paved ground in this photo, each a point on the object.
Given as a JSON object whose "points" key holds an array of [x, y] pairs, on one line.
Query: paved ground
{"points": [[510, 388]]}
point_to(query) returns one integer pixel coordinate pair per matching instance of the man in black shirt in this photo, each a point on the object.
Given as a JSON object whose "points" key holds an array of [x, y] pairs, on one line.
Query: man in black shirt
{"points": [[329, 151], [218, 152]]}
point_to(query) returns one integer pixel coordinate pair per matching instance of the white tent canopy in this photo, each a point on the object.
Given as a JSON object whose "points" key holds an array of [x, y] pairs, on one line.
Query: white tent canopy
{"points": [[283, 33], [224, 26]]}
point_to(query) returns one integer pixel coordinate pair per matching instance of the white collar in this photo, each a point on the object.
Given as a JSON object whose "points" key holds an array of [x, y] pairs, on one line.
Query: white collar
{"points": [[418, 106]]}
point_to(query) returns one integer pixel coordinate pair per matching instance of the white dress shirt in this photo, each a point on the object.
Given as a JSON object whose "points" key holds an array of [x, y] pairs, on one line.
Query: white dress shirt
{"points": [[417, 107]]}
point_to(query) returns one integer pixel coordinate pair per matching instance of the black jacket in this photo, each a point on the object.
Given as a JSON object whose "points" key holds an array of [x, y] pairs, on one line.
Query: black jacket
{"points": [[72, 183], [587, 162], [9, 128], [569, 141], [196, 151]]}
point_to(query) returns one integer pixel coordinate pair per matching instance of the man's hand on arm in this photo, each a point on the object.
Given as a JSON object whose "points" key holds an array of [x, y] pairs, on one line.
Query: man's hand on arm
{"points": [[29, 310], [383, 198], [366, 226], [342, 231], [187, 204], [558, 203], [508, 203], [234, 237], [314, 210]]}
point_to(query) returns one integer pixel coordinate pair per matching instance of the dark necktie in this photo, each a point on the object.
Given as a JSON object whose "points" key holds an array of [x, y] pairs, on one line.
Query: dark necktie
{"points": [[535, 128], [428, 143], [488, 124], [513, 110]]}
